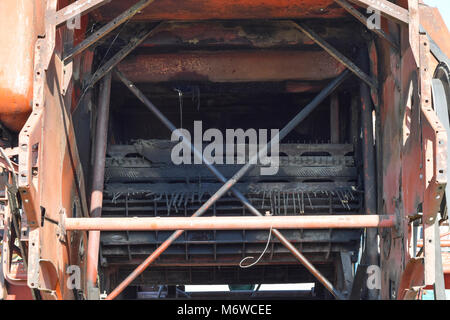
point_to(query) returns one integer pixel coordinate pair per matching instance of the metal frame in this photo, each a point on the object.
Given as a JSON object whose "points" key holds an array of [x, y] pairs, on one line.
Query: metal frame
{"points": [[228, 185], [77, 9]]}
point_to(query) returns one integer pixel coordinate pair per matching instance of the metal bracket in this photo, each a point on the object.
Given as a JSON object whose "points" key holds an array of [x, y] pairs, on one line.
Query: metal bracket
{"points": [[76, 9]]}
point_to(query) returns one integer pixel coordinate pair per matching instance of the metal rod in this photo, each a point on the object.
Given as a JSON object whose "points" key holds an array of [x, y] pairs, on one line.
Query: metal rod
{"points": [[106, 29], [330, 88], [98, 176], [338, 56], [369, 176], [230, 223]]}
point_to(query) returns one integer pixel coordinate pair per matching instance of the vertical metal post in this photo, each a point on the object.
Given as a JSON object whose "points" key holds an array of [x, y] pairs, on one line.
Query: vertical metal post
{"points": [[98, 176], [370, 181]]}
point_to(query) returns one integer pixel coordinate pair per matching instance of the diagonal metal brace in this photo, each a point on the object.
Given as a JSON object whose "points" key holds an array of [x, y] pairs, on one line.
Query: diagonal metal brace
{"points": [[387, 9], [107, 28], [229, 185], [373, 83], [119, 56], [360, 17]]}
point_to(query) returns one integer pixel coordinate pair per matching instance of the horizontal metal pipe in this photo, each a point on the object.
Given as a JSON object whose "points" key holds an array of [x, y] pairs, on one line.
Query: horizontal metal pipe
{"points": [[229, 223], [444, 244]]}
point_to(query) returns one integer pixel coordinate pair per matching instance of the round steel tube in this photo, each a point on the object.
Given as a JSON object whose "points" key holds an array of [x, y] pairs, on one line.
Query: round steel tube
{"points": [[230, 223], [98, 176]]}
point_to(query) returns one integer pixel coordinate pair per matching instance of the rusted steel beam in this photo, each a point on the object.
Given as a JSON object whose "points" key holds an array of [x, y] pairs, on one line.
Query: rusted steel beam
{"points": [[230, 223], [338, 56], [360, 17], [244, 34], [77, 8], [387, 9], [231, 66], [98, 176], [229, 185], [106, 29], [225, 10]]}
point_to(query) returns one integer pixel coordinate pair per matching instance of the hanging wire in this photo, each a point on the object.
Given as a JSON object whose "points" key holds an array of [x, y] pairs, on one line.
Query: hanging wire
{"points": [[260, 257]]}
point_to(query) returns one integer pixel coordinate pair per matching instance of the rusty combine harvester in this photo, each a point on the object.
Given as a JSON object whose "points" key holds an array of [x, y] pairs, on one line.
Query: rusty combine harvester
{"points": [[92, 92]]}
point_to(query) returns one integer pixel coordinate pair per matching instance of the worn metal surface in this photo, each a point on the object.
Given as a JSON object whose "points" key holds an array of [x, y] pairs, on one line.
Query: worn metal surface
{"points": [[17, 42], [364, 20], [230, 66], [246, 34], [50, 155], [50, 176]]}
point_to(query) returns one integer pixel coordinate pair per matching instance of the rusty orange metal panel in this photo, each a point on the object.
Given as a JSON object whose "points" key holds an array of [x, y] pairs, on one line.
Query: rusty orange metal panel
{"points": [[232, 66], [228, 9], [21, 21], [432, 21]]}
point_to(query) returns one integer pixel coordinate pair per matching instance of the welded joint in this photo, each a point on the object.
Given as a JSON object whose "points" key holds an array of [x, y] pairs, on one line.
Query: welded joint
{"points": [[372, 82]]}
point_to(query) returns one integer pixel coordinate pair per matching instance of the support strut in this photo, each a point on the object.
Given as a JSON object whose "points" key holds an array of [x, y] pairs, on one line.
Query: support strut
{"points": [[370, 182]]}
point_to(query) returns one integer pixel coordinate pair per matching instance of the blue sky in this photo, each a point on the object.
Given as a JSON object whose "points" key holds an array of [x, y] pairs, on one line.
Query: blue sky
{"points": [[444, 8]]}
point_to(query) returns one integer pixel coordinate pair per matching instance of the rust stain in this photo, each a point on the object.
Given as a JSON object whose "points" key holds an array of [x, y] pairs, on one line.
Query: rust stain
{"points": [[229, 9]]}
